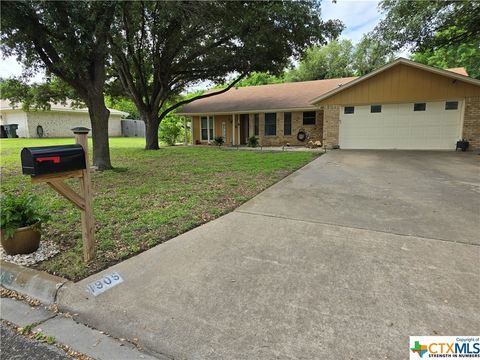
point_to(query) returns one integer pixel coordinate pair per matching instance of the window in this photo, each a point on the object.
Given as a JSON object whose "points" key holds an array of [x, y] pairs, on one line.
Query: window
{"points": [[257, 124], [270, 124], [205, 128], [451, 105], [419, 107], [376, 108], [287, 123], [309, 118], [349, 110]]}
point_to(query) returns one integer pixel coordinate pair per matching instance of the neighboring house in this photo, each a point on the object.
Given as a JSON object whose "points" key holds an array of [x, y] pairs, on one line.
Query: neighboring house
{"points": [[402, 105], [55, 122]]}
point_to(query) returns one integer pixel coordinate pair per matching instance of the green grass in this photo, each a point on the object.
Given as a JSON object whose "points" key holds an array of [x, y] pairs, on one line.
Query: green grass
{"points": [[150, 196]]}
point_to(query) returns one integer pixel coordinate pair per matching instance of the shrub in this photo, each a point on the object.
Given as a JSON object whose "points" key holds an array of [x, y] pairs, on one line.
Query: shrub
{"points": [[20, 211], [171, 129], [218, 140], [252, 141]]}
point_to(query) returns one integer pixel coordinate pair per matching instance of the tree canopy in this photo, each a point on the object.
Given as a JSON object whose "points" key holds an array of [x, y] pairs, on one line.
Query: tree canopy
{"points": [[466, 54], [416, 24], [69, 40], [325, 62], [340, 58], [370, 54], [36, 96], [261, 78]]}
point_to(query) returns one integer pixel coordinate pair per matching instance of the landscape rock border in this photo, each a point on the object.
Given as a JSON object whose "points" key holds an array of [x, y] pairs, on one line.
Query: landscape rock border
{"points": [[46, 250]]}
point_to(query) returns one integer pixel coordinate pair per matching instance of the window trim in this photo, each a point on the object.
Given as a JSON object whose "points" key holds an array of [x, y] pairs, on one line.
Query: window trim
{"points": [[422, 108], [314, 117], [211, 121], [290, 123], [348, 107], [375, 106], [265, 124], [451, 102]]}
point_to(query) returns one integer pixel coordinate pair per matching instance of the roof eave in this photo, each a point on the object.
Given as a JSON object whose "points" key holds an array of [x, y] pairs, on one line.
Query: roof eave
{"points": [[254, 111]]}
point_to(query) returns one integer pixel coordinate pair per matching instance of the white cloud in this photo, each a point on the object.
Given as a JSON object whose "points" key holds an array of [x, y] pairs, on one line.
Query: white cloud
{"points": [[359, 16]]}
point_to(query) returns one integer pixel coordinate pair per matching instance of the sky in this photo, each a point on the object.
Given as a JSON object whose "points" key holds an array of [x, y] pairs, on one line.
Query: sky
{"points": [[359, 16]]}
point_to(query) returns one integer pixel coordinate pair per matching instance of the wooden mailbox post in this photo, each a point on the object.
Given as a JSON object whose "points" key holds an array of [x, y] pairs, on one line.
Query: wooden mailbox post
{"points": [[84, 200]]}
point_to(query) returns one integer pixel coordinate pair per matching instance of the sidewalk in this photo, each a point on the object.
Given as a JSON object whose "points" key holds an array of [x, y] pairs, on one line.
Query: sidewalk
{"points": [[65, 331]]}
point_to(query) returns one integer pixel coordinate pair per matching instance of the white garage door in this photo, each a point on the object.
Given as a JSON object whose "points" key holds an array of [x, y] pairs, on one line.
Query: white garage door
{"points": [[398, 126]]}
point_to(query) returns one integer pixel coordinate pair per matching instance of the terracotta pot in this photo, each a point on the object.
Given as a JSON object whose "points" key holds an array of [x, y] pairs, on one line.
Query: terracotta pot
{"points": [[24, 240]]}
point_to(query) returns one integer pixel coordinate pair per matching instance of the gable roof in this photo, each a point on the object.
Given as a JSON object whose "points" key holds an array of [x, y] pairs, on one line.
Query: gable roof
{"points": [[284, 96], [454, 73], [6, 105]]}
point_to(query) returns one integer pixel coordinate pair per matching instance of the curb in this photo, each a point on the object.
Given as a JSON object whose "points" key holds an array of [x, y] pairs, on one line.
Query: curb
{"points": [[36, 284]]}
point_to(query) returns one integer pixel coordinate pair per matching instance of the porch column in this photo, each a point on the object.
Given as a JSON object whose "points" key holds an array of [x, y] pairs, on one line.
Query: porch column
{"points": [[208, 129], [239, 140], [185, 131], [191, 130], [233, 129]]}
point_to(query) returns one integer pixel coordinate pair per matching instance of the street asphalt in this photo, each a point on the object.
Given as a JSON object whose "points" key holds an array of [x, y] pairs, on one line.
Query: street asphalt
{"points": [[18, 347], [345, 258]]}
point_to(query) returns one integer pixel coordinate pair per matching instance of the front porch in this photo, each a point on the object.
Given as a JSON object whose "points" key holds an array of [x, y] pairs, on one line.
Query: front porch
{"points": [[270, 128], [234, 128]]}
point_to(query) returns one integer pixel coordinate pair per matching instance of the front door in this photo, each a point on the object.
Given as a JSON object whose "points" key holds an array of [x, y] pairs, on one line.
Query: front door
{"points": [[244, 126]]}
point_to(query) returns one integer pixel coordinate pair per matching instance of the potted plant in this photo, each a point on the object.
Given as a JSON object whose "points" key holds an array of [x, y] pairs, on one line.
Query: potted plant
{"points": [[20, 221]]}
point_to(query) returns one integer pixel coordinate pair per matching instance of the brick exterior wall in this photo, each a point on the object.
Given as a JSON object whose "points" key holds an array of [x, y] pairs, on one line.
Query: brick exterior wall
{"points": [[471, 122], [331, 122], [315, 132]]}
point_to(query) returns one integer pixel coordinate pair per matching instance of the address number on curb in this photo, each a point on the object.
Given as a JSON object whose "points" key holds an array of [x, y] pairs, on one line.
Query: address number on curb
{"points": [[105, 283]]}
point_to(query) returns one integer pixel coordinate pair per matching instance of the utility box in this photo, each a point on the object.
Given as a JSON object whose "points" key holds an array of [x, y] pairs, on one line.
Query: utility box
{"points": [[52, 159]]}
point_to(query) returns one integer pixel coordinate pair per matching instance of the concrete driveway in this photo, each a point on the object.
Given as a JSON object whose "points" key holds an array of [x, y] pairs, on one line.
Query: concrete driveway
{"points": [[343, 259]]}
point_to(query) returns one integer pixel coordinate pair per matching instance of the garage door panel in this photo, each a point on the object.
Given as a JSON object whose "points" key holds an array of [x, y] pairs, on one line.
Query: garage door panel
{"points": [[399, 127]]}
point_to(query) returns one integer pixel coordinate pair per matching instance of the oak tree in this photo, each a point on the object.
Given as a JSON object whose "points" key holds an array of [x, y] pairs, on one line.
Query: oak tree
{"points": [[416, 24], [69, 40], [161, 48]]}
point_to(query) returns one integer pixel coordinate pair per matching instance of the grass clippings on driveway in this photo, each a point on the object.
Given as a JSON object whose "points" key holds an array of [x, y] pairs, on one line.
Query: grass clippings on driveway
{"points": [[150, 197]]}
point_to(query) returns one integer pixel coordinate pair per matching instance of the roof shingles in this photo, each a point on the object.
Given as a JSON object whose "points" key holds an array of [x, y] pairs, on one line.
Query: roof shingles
{"points": [[295, 95]]}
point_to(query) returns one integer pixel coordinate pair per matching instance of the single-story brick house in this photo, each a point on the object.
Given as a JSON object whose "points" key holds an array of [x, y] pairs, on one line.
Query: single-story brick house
{"points": [[402, 105], [55, 122]]}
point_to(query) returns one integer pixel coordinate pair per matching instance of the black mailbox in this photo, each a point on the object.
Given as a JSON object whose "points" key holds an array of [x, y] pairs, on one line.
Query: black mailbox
{"points": [[52, 159]]}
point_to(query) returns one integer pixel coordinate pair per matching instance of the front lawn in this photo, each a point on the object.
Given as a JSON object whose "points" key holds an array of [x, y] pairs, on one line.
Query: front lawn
{"points": [[150, 197]]}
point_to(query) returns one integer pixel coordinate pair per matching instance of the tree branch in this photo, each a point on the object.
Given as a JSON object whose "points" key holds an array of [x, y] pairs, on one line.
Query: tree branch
{"points": [[187, 101]]}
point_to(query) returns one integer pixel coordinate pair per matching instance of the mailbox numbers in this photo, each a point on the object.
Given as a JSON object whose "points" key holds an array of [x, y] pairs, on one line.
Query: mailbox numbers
{"points": [[105, 283]]}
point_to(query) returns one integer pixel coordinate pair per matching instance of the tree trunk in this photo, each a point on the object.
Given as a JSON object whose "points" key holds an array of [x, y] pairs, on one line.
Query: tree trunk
{"points": [[99, 115], [151, 132]]}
